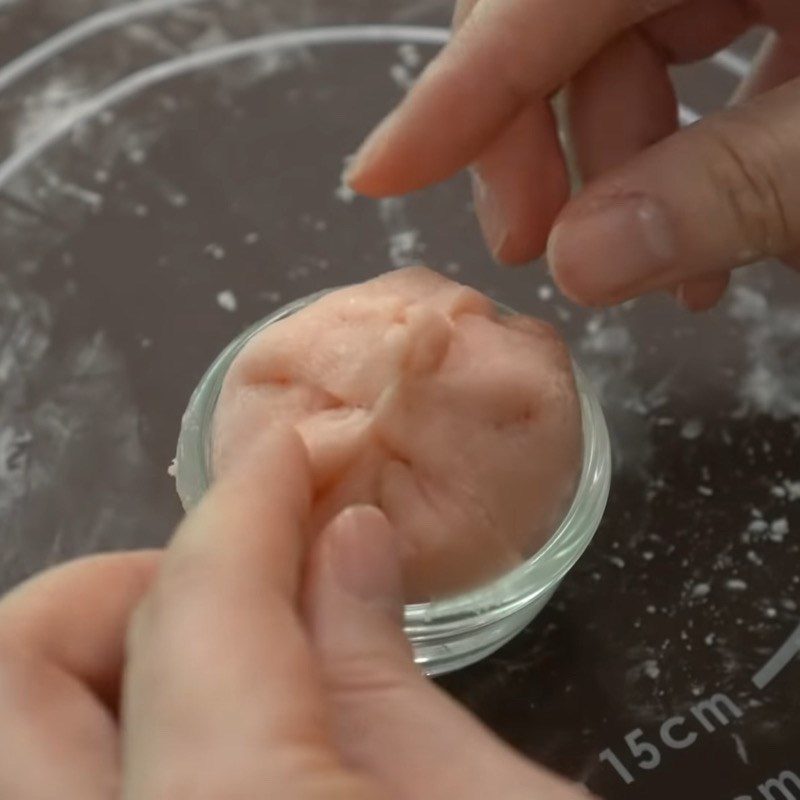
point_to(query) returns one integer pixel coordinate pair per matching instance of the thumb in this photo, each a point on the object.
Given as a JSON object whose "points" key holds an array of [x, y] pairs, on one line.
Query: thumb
{"points": [[723, 193], [389, 720]]}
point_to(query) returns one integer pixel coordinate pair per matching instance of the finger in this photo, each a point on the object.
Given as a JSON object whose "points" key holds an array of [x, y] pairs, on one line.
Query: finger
{"points": [[720, 194], [58, 739], [221, 696], [505, 56], [61, 645], [702, 294], [389, 720], [520, 180], [698, 29], [75, 617], [519, 185], [462, 10], [778, 62], [622, 102]]}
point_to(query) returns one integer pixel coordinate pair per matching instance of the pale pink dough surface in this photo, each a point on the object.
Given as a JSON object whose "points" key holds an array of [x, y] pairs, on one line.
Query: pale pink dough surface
{"points": [[413, 395]]}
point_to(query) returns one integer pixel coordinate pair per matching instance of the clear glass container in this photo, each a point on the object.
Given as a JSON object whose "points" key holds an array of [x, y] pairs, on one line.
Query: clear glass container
{"points": [[454, 632]]}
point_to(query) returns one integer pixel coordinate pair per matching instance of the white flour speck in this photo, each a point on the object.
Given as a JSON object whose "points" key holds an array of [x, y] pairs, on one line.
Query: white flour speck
{"points": [[404, 240], [757, 527], [701, 590], [651, 669], [736, 585], [215, 250], [409, 54], [402, 76], [545, 293], [345, 193], [778, 529], [227, 301], [692, 429]]}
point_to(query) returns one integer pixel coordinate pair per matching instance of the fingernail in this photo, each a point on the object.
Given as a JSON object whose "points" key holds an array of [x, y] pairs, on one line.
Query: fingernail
{"points": [[490, 214], [608, 252], [366, 558], [681, 297], [369, 153]]}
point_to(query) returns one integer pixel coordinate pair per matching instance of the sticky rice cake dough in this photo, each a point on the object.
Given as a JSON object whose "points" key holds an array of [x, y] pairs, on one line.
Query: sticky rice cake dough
{"points": [[413, 394]]}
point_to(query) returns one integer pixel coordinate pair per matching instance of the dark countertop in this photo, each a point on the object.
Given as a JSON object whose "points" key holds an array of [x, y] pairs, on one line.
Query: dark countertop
{"points": [[138, 242]]}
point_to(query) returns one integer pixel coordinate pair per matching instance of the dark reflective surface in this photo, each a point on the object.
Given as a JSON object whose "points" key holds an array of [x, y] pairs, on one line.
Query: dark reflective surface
{"points": [[143, 239]]}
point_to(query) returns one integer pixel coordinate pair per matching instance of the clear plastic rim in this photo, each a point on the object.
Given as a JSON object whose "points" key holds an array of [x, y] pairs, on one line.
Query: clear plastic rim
{"points": [[462, 613]]}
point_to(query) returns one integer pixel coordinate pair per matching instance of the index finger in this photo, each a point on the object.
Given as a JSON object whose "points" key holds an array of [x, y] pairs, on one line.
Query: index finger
{"points": [[505, 55], [220, 681]]}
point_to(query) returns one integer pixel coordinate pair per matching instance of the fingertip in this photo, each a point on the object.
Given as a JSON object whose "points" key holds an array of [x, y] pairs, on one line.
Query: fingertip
{"points": [[363, 552], [279, 454], [520, 184], [702, 294], [568, 271]]}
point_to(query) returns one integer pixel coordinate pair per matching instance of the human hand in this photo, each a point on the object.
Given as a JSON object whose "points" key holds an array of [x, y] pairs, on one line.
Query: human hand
{"points": [[661, 210], [256, 665]]}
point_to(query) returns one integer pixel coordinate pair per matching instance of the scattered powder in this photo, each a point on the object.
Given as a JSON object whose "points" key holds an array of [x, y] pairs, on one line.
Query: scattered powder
{"points": [[545, 293], [736, 585], [404, 241], [778, 529], [43, 109], [215, 250], [227, 301], [793, 490], [692, 429], [651, 669], [409, 55], [771, 381], [345, 193], [758, 526], [402, 76]]}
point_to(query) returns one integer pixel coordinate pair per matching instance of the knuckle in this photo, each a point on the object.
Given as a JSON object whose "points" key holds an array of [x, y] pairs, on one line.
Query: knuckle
{"points": [[364, 675], [745, 173]]}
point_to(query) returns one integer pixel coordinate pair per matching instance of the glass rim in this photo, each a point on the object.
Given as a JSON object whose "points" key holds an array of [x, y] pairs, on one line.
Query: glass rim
{"points": [[478, 607]]}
